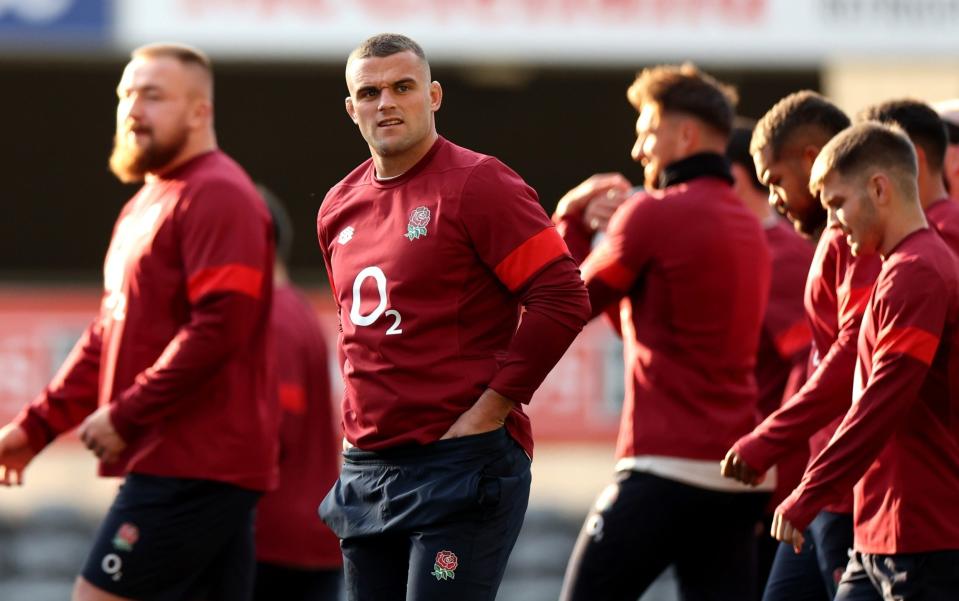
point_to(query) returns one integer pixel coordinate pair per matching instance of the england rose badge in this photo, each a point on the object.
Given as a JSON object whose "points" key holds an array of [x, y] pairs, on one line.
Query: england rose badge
{"points": [[444, 565], [419, 219]]}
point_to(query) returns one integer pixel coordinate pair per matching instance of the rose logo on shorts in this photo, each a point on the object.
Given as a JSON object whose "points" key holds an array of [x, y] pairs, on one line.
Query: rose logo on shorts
{"points": [[444, 566], [126, 537], [419, 219]]}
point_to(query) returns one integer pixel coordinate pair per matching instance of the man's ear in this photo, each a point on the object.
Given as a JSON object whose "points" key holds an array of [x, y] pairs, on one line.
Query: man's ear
{"points": [[436, 95], [690, 135], [809, 154], [350, 109], [879, 188]]}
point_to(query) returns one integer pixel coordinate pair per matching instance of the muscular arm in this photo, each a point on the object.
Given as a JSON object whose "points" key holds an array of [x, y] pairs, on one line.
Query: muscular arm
{"points": [[827, 393], [70, 396]]}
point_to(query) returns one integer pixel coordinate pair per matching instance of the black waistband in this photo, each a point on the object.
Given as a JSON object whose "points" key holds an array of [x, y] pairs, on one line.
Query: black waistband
{"points": [[476, 444]]}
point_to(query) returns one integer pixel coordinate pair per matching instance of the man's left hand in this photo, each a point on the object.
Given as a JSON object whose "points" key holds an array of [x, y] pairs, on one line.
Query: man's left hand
{"points": [[98, 435], [784, 532], [487, 413]]}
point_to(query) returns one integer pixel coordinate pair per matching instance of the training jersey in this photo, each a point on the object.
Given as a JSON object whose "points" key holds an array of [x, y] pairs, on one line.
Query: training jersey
{"points": [[785, 339], [899, 442], [837, 291], [943, 216], [179, 348], [429, 271], [288, 531], [690, 265]]}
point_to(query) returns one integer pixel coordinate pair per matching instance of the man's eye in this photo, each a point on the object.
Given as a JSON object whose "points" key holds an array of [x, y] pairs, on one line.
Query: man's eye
{"points": [[402, 88]]}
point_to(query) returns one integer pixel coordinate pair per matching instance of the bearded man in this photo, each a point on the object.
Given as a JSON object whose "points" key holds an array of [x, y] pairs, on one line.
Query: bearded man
{"points": [[170, 385]]}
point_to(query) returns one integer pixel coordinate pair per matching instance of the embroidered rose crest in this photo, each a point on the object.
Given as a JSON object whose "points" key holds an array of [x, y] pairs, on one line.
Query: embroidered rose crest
{"points": [[126, 537], [419, 219], [444, 565]]}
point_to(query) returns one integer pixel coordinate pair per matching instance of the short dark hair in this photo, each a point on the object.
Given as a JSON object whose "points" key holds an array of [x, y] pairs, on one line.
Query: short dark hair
{"points": [[282, 224], [386, 44], [921, 123], [877, 145], [737, 150], [799, 110], [686, 89]]}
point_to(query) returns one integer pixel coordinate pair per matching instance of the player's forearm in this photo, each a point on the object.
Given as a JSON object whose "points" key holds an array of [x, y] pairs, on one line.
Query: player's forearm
{"points": [[70, 396], [557, 308], [220, 325], [825, 396], [863, 433], [574, 233]]}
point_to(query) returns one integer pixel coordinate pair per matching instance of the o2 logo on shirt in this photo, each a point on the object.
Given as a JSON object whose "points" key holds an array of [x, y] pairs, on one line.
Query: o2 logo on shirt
{"points": [[358, 318]]}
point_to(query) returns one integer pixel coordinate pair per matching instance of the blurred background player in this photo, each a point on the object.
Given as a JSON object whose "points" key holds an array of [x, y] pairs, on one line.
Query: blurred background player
{"points": [[170, 384], [898, 444], [949, 112], [785, 338], [298, 557], [784, 146], [690, 384], [928, 134], [432, 250]]}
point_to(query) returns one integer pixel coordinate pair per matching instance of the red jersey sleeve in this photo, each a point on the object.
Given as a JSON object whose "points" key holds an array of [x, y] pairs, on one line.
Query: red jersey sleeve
{"points": [[513, 236], [70, 396], [613, 267], [508, 228], [578, 239], [910, 308], [227, 254], [826, 394]]}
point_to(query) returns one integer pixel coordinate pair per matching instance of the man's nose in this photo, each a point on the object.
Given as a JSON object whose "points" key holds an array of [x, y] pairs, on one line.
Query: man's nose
{"points": [[387, 100]]}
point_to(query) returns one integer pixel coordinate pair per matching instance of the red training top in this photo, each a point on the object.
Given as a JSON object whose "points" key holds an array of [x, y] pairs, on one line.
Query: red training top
{"points": [[899, 442], [691, 266], [837, 290], [429, 270], [288, 530], [179, 349], [784, 340]]}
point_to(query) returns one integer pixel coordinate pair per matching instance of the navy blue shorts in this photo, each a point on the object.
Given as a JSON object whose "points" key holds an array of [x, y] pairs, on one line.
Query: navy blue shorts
{"points": [[167, 539], [436, 521]]}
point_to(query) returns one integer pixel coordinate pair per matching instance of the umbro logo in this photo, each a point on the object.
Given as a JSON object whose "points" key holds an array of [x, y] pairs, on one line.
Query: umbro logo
{"points": [[346, 235]]}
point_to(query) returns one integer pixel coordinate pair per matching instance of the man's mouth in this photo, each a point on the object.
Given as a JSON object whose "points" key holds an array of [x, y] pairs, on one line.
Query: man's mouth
{"points": [[389, 122]]}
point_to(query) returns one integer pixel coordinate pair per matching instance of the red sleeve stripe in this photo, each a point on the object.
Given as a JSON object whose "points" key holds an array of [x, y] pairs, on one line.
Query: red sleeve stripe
{"points": [[915, 342], [225, 278], [293, 398], [855, 303], [794, 339], [529, 257], [603, 266]]}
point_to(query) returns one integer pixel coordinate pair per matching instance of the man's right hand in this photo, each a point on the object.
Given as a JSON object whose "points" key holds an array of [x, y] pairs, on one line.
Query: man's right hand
{"points": [[735, 467], [608, 189], [15, 454]]}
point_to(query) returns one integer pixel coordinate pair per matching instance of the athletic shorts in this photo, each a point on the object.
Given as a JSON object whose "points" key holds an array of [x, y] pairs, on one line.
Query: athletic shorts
{"points": [[172, 539], [433, 523]]}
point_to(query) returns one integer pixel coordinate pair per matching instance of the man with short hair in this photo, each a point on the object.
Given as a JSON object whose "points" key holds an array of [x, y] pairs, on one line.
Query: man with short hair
{"points": [[456, 296], [668, 262], [784, 146], [949, 112], [785, 337], [928, 134], [170, 384], [898, 444]]}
